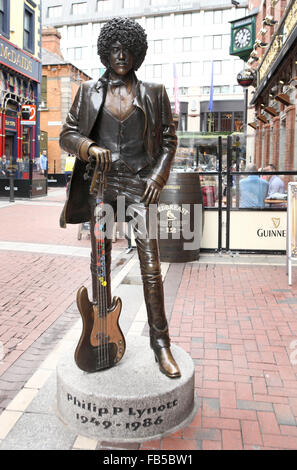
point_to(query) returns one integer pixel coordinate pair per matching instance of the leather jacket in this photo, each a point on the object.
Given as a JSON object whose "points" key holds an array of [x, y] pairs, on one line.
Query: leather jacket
{"points": [[160, 139]]}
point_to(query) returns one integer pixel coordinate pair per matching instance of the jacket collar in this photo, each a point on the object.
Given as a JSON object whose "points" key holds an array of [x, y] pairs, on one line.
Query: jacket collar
{"points": [[101, 83], [100, 88]]}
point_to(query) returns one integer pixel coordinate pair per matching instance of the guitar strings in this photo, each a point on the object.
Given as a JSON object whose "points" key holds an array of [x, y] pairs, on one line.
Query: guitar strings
{"points": [[102, 288]]}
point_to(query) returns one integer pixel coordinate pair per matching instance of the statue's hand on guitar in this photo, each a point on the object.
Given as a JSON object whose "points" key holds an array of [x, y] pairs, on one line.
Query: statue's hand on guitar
{"points": [[100, 160], [102, 157]]}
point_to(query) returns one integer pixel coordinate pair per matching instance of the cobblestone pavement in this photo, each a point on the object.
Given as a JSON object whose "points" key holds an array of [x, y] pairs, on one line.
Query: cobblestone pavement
{"points": [[235, 316]]}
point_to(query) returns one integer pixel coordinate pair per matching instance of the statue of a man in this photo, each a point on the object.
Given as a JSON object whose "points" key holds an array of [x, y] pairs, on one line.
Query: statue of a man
{"points": [[126, 124]]}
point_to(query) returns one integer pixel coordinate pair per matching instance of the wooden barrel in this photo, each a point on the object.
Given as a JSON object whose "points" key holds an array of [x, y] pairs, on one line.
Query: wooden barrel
{"points": [[180, 217]]}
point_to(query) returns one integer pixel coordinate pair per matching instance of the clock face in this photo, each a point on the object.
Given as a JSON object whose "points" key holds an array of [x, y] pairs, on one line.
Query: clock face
{"points": [[242, 38]]}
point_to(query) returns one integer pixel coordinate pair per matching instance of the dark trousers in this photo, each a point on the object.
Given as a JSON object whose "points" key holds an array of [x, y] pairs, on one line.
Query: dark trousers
{"points": [[130, 188]]}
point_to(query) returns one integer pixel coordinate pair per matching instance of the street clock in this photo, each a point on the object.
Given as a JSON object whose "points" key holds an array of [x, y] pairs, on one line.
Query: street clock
{"points": [[243, 36]]}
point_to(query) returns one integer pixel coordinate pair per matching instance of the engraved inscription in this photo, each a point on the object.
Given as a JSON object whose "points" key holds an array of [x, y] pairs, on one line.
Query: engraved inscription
{"points": [[128, 418]]}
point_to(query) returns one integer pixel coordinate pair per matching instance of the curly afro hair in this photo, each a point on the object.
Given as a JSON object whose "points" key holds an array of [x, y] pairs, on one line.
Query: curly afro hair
{"points": [[129, 33]]}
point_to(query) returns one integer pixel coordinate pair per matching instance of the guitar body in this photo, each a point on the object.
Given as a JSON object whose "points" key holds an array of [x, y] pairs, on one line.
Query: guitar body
{"points": [[102, 343]]}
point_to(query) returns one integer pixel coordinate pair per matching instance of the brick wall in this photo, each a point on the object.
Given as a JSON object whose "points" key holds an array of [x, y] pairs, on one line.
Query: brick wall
{"points": [[61, 89], [290, 140], [275, 140]]}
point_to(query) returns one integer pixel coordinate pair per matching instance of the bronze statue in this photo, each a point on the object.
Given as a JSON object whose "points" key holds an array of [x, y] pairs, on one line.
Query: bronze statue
{"points": [[127, 126]]}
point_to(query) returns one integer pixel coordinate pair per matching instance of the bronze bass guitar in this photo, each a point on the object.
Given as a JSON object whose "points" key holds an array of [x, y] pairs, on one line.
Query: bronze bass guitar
{"points": [[102, 343]]}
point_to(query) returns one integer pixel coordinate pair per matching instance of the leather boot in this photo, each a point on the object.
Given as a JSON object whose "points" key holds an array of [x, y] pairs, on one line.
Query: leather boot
{"points": [[154, 299]]}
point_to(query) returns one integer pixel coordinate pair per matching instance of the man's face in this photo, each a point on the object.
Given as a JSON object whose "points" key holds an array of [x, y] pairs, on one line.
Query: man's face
{"points": [[120, 59]]}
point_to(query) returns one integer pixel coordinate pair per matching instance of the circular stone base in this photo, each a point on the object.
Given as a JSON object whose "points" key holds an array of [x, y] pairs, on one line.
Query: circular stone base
{"points": [[132, 401]]}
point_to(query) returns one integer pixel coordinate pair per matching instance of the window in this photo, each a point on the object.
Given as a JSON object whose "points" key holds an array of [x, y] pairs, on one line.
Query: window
{"points": [[77, 31], [183, 44], [207, 67], [208, 17], [196, 41], [225, 89], [154, 22], [104, 5], [153, 71], [187, 20], [237, 89], [183, 20], [4, 17], [28, 29], [187, 44], [178, 45], [158, 49], [217, 42], [226, 122], [226, 67], [55, 12], [238, 121], [209, 123], [157, 3], [226, 41], [149, 71], [213, 42], [79, 8], [208, 42], [221, 90], [217, 67], [178, 21], [158, 22], [186, 69], [131, 3], [43, 95], [158, 71], [195, 69], [183, 91], [26, 147], [218, 17], [76, 53]]}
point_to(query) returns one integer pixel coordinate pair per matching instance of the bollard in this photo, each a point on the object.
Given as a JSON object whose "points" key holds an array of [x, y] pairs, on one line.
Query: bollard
{"points": [[11, 186]]}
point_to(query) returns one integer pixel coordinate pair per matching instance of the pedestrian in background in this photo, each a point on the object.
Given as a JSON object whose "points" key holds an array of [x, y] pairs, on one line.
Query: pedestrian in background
{"points": [[253, 189], [3, 167], [43, 163]]}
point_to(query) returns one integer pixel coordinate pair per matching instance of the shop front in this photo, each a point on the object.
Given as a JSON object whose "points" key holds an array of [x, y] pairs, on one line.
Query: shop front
{"points": [[230, 224], [19, 123]]}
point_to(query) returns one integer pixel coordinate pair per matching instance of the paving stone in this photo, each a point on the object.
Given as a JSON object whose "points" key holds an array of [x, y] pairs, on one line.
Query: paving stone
{"points": [[240, 305], [35, 431]]}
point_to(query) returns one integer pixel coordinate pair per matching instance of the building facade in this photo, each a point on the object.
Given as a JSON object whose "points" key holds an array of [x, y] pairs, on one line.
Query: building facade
{"points": [[60, 82], [273, 100], [20, 77], [193, 36]]}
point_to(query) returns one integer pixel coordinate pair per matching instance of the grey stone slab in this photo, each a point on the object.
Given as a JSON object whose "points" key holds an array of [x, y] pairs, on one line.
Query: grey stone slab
{"points": [[254, 405], [36, 431], [288, 300], [44, 402]]}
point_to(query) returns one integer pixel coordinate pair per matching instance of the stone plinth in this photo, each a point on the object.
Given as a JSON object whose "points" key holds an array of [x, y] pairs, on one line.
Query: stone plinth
{"points": [[132, 401]]}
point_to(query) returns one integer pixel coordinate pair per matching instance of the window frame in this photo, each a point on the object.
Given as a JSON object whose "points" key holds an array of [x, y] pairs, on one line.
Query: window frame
{"points": [[54, 9], [31, 47], [6, 19], [77, 4]]}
